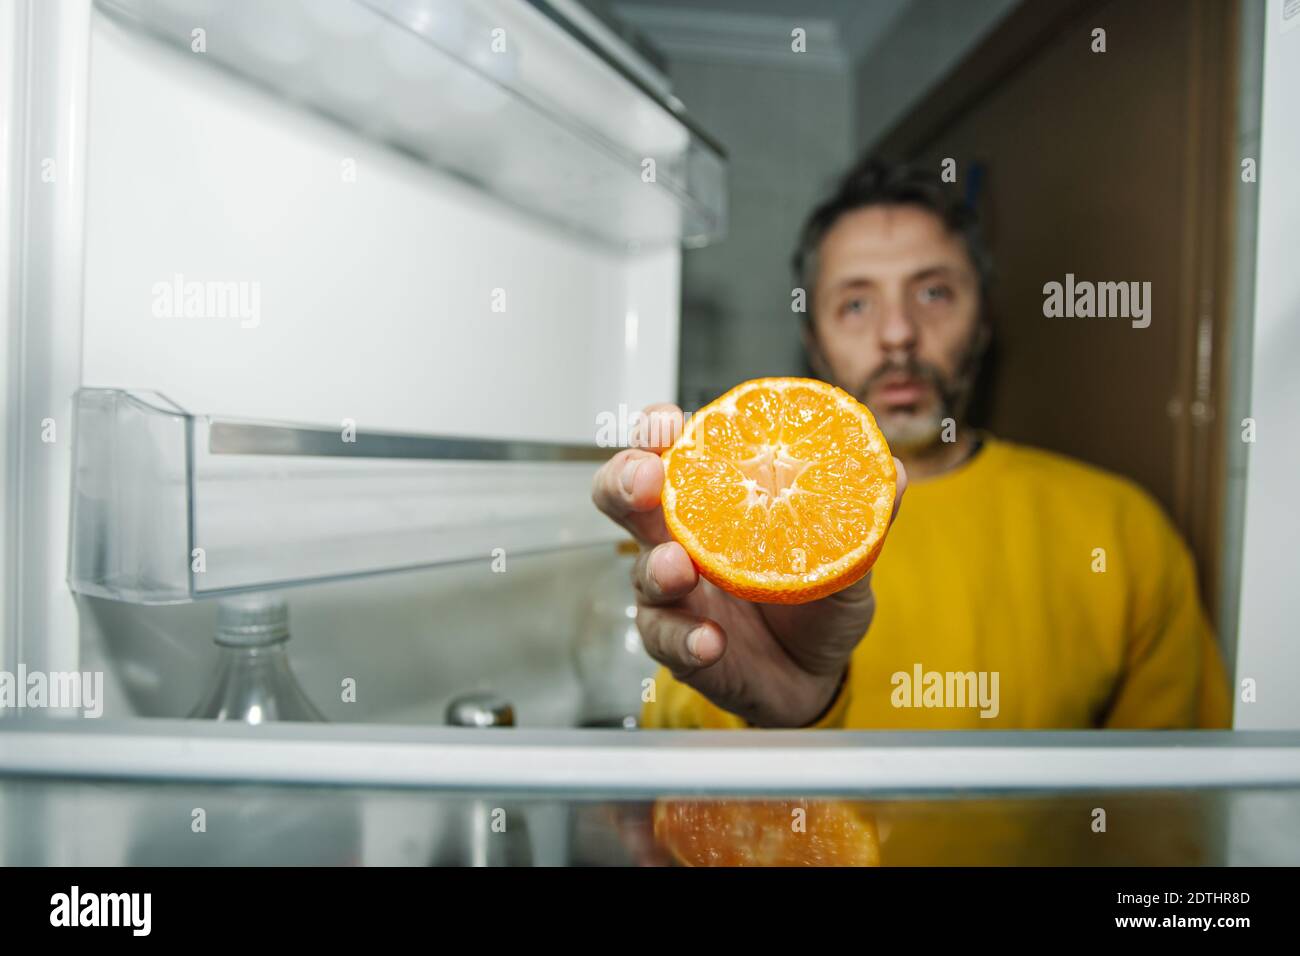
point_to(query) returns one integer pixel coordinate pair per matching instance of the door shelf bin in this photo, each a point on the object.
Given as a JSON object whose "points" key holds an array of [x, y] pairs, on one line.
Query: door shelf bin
{"points": [[169, 507]]}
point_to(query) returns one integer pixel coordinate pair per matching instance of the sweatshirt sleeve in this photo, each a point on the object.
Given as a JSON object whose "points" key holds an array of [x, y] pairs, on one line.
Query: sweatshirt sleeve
{"points": [[1215, 705], [678, 706], [681, 706], [836, 715], [1173, 676]]}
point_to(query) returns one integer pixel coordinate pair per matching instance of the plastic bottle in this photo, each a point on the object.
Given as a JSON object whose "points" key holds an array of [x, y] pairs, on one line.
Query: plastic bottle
{"points": [[610, 660], [254, 682]]}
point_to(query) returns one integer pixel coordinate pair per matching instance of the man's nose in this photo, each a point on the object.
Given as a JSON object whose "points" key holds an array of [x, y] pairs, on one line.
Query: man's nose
{"points": [[897, 330]]}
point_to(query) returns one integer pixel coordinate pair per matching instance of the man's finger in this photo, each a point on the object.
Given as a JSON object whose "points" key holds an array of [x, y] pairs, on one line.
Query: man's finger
{"points": [[627, 489], [900, 486], [679, 640], [664, 574], [657, 427]]}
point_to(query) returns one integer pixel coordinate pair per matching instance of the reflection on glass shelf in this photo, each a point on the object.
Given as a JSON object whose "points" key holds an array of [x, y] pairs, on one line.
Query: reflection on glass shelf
{"points": [[492, 91], [169, 506], [74, 822], [686, 797]]}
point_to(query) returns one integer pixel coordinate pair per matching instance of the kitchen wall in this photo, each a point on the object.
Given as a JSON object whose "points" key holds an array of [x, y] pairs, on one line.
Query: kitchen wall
{"points": [[788, 132], [926, 41]]}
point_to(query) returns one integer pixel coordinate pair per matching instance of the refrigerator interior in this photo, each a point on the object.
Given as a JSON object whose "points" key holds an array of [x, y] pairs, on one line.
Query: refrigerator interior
{"points": [[365, 299]]}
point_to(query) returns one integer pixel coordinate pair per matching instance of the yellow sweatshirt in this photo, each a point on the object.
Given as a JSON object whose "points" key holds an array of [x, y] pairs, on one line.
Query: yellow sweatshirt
{"points": [[1022, 590]]}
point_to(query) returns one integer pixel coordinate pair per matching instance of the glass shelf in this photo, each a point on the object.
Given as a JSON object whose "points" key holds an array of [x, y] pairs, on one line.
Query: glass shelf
{"points": [[277, 824], [648, 763], [169, 507], [500, 93], [347, 793]]}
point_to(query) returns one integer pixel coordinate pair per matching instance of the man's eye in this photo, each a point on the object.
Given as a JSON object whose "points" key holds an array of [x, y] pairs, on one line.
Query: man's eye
{"points": [[853, 307], [935, 293]]}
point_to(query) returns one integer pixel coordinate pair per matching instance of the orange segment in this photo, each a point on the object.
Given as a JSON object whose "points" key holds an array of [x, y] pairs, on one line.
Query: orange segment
{"points": [[767, 832], [780, 490]]}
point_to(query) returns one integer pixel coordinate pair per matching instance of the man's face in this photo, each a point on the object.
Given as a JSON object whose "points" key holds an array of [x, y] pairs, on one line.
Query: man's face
{"points": [[896, 319]]}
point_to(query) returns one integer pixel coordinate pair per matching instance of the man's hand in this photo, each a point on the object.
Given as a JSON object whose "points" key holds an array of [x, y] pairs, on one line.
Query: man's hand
{"points": [[773, 665]]}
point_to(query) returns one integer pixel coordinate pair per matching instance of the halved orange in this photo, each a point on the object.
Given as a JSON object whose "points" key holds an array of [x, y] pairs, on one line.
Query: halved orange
{"points": [[780, 490], [767, 832]]}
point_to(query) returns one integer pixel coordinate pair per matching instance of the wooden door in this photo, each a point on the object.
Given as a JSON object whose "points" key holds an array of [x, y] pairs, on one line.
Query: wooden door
{"points": [[1109, 166]]}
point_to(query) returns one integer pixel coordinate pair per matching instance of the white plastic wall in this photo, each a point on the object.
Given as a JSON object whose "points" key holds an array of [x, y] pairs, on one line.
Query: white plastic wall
{"points": [[376, 295], [1268, 651]]}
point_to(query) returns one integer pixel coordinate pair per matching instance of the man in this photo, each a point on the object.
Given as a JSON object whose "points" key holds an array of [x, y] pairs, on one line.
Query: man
{"points": [[1018, 589]]}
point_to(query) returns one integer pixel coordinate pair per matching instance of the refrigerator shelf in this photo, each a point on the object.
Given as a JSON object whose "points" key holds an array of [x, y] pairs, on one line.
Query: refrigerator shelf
{"points": [[169, 507], [501, 93], [653, 763]]}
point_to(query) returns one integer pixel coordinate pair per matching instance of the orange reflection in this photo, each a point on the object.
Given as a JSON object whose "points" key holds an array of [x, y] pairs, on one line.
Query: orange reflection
{"points": [[767, 832]]}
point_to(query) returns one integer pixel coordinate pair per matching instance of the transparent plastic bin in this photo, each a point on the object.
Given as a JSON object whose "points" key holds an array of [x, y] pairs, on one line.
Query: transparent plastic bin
{"points": [[168, 507]]}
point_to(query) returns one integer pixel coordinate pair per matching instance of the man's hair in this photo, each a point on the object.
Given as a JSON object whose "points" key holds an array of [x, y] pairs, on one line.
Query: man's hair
{"points": [[874, 182]]}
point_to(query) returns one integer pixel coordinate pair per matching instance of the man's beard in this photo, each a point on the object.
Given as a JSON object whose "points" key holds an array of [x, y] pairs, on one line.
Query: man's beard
{"points": [[914, 430]]}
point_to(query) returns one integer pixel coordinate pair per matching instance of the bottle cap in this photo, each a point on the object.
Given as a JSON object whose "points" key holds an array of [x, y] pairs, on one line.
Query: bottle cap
{"points": [[480, 709], [252, 620]]}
